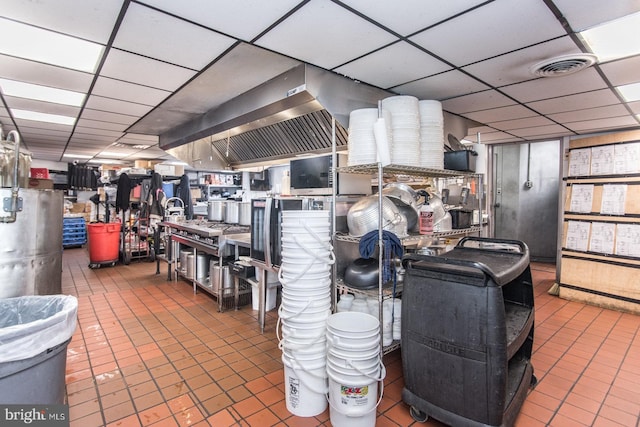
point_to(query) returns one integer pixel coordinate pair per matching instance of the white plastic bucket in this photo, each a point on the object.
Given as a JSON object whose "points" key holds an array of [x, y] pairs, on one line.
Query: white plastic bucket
{"points": [[323, 300], [355, 395], [356, 344], [353, 325], [305, 389]]}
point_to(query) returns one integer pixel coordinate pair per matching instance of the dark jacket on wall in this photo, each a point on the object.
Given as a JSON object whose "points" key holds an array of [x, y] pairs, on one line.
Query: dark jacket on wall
{"points": [[184, 192], [123, 193]]}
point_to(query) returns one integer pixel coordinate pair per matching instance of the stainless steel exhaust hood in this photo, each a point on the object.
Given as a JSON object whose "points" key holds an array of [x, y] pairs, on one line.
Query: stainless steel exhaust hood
{"points": [[285, 116]]}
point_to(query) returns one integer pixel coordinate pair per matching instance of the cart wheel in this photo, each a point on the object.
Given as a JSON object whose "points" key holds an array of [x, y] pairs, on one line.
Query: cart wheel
{"points": [[94, 266], [534, 381], [126, 258], [113, 264], [418, 415]]}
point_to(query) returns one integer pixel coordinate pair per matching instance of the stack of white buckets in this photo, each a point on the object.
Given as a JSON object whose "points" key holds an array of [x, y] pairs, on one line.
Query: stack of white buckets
{"points": [[322, 353]]}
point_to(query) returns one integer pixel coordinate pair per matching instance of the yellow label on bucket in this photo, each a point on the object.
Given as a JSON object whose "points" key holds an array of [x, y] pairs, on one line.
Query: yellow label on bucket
{"points": [[351, 391]]}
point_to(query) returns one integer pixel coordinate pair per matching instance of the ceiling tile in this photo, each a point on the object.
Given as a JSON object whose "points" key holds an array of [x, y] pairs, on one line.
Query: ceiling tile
{"points": [[514, 67], [79, 130], [314, 32], [622, 72], [249, 65], [161, 120], [89, 19], [43, 74], [144, 71], [136, 138], [157, 35], [540, 131], [584, 14], [393, 65], [243, 19], [441, 86], [101, 125], [41, 106], [486, 28], [116, 106], [493, 137], [92, 137], [591, 114], [104, 116], [521, 123], [409, 16], [56, 133], [499, 114], [31, 138], [552, 87], [23, 124], [475, 102], [635, 107], [603, 124], [596, 98], [117, 89]]}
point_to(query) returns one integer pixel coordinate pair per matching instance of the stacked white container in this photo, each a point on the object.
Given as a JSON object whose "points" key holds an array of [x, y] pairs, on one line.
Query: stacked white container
{"points": [[431, 134], [305, 274], [355, 369]]}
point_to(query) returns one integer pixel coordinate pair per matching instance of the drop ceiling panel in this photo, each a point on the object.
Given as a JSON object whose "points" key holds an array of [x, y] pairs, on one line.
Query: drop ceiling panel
{"points": [[596, 98], [144, 71], [243, 68], [101, 125], [521, 123], [33, 138], [486, 28], [44, 74], [441, 86], [393, 65], [553, 87], [90, 19], [584, 14], [536, 131], [93, 131], [314, 33], [603, 124], [622, 72], [243, 19], [104, 116], [58, 133], [162, 120], [477, 101], [635, 107], [89, 137], [157, 35], [116, 106], [514, 67], [494, 137], [590, 114], [41, 106], [152, 139], [407, 17], [23, 124], [124, 91], [499, 114]]}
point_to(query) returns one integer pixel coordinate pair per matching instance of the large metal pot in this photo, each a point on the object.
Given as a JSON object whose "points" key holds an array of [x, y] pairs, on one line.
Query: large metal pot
{"points": [[231, 212], [244, 216], [220, 277], [215, 210]]}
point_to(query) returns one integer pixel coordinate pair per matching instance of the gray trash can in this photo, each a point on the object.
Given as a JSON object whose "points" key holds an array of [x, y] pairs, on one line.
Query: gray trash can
{"points": [[34, 334]]}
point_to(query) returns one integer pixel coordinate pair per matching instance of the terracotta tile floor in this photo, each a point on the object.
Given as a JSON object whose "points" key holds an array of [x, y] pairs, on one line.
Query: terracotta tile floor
{"points": [[148, 352]]}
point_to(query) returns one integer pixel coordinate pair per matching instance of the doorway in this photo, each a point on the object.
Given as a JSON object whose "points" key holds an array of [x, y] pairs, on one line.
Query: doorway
{"points": [[526, 185]]}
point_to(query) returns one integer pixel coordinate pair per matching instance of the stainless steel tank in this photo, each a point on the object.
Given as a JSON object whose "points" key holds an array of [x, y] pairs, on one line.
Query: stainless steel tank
{"points": [[31, 247]]}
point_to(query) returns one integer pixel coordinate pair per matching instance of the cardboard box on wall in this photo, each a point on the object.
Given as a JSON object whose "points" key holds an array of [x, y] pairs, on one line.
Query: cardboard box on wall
{"points": [[145, 164], [169, 170], [41, 184]]}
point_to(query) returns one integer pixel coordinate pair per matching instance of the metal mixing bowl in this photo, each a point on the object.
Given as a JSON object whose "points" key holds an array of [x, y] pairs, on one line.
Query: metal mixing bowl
{"points": [[363, 217]]}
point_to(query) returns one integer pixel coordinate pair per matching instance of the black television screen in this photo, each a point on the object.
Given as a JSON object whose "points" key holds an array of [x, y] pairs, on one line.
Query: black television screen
{"points": [[312, 172]]}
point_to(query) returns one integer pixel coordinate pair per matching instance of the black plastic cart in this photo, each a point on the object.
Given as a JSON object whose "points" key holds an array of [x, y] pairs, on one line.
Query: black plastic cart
{"points": [[467, 333]]}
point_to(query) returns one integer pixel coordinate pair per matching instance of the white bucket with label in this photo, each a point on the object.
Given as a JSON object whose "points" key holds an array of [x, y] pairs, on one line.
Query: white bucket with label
{"points": [[305, 387], [354, 396]]}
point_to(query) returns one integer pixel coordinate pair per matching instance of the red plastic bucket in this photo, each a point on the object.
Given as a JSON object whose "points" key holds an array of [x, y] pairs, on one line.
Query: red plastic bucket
{"points": [[104, 241]]}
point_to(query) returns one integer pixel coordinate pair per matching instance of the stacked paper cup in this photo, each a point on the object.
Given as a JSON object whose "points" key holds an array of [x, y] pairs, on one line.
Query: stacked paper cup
{"points": [[355, 369], [305, 274], [431, 134]]}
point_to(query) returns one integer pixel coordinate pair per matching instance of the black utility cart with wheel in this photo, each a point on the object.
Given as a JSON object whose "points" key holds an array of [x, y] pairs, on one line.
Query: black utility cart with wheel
{"points": [[467, 333]]}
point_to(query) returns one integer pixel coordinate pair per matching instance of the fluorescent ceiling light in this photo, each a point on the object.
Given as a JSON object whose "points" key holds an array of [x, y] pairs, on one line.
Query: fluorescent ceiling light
{"points": [[36, 44], [43, 117], [106, 161], [615, 39], [41, 93], [113, 154], [630, 92], [141, 147], [77, 156]]}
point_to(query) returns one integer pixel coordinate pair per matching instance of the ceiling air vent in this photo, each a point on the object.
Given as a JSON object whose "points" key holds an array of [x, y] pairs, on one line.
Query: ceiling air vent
{"points": [[563, 65]]}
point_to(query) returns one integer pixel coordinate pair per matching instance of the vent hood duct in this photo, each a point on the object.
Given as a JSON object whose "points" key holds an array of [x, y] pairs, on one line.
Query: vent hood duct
{"points": [[288, 115]]}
